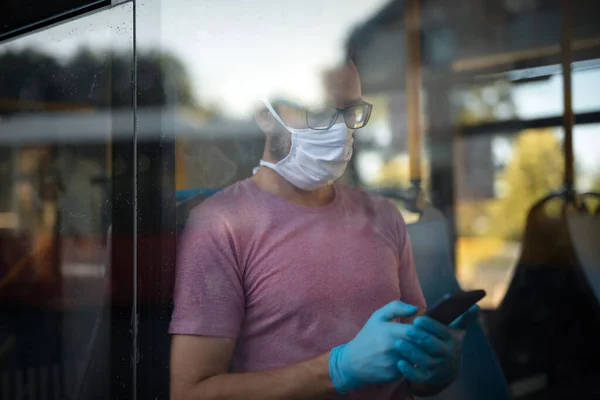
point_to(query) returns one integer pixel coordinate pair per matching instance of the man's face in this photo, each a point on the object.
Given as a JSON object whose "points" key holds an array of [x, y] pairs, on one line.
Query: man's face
{"points": [[342, 88]]}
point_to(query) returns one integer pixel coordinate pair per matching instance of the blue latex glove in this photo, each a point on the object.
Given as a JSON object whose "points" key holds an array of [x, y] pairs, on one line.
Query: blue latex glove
{"points": [[432, 355], [371, 357]]}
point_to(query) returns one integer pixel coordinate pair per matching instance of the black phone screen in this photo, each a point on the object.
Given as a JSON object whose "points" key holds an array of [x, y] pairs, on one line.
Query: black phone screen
{"points": [[453, 305]]}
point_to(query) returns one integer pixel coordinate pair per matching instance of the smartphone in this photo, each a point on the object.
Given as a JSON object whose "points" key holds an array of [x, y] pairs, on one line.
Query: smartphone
{"points": [[453, 305]]}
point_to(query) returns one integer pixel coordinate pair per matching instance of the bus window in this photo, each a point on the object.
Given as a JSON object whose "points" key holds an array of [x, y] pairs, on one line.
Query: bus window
{"points": [[65, 116]]}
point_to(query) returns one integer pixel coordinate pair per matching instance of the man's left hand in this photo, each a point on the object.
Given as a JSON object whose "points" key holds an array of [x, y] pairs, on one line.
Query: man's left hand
{"points": [[432, 356]]}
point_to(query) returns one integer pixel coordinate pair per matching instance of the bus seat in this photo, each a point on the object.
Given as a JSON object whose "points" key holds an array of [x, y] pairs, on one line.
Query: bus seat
{"points": [[585, 231], [481, 376], [546, 328]]}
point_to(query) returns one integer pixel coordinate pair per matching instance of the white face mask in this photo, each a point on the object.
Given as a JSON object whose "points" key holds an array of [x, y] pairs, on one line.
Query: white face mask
{"points": [[316, 158]]}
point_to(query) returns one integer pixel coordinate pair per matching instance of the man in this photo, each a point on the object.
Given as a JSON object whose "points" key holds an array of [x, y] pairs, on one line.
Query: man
{"points": [[290, 286]]}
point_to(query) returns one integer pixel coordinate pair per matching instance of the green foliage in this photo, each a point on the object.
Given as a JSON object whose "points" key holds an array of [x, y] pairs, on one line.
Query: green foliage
{"points": [[91, 79], [534, 170]]}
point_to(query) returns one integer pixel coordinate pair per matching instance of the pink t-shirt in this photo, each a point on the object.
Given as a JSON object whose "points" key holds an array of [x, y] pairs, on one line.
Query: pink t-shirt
{"points": [[291, 282]]}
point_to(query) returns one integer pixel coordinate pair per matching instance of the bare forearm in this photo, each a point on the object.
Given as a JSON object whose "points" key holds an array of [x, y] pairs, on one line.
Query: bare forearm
{"points": [[303, 381]]}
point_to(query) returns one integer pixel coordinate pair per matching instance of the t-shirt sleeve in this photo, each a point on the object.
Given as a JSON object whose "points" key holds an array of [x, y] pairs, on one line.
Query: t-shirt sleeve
{"points": [[410, 288], [209, 295]]}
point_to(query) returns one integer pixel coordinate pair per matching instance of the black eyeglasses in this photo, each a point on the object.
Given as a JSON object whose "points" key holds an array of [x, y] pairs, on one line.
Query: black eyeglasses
{"points": [[355, 115]]}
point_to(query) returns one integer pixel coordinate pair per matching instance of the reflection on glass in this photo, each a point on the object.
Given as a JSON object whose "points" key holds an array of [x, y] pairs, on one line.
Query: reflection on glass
{"points": [[526, 167], [524, 171], [485, 102], [528, 95], [281, 60], [284, 52], [586, 143], [58, 88]]}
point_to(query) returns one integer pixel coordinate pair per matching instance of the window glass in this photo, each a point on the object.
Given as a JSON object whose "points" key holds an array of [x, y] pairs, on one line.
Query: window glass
{"points": [[124, 219], [527, 166], [164, 179], [528, 94], [224, 61], [544, 98], [489, 224], [65, 113], [239, 81], [586, 140], [587, 165]]}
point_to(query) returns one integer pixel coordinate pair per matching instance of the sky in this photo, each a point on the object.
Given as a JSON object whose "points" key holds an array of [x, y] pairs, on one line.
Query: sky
{"points": [[237, 52], [243, 52]]}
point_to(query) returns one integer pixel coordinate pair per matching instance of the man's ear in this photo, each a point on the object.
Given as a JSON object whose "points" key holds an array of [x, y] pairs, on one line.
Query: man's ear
{"points": [[265, 120]]}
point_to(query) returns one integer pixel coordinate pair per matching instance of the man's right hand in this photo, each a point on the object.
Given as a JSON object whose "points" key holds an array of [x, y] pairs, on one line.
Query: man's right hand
{"points": [[371, 357]]}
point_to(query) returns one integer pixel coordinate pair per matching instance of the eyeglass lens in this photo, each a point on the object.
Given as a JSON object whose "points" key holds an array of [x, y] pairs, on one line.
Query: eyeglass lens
{"points": [[323, 118]]}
